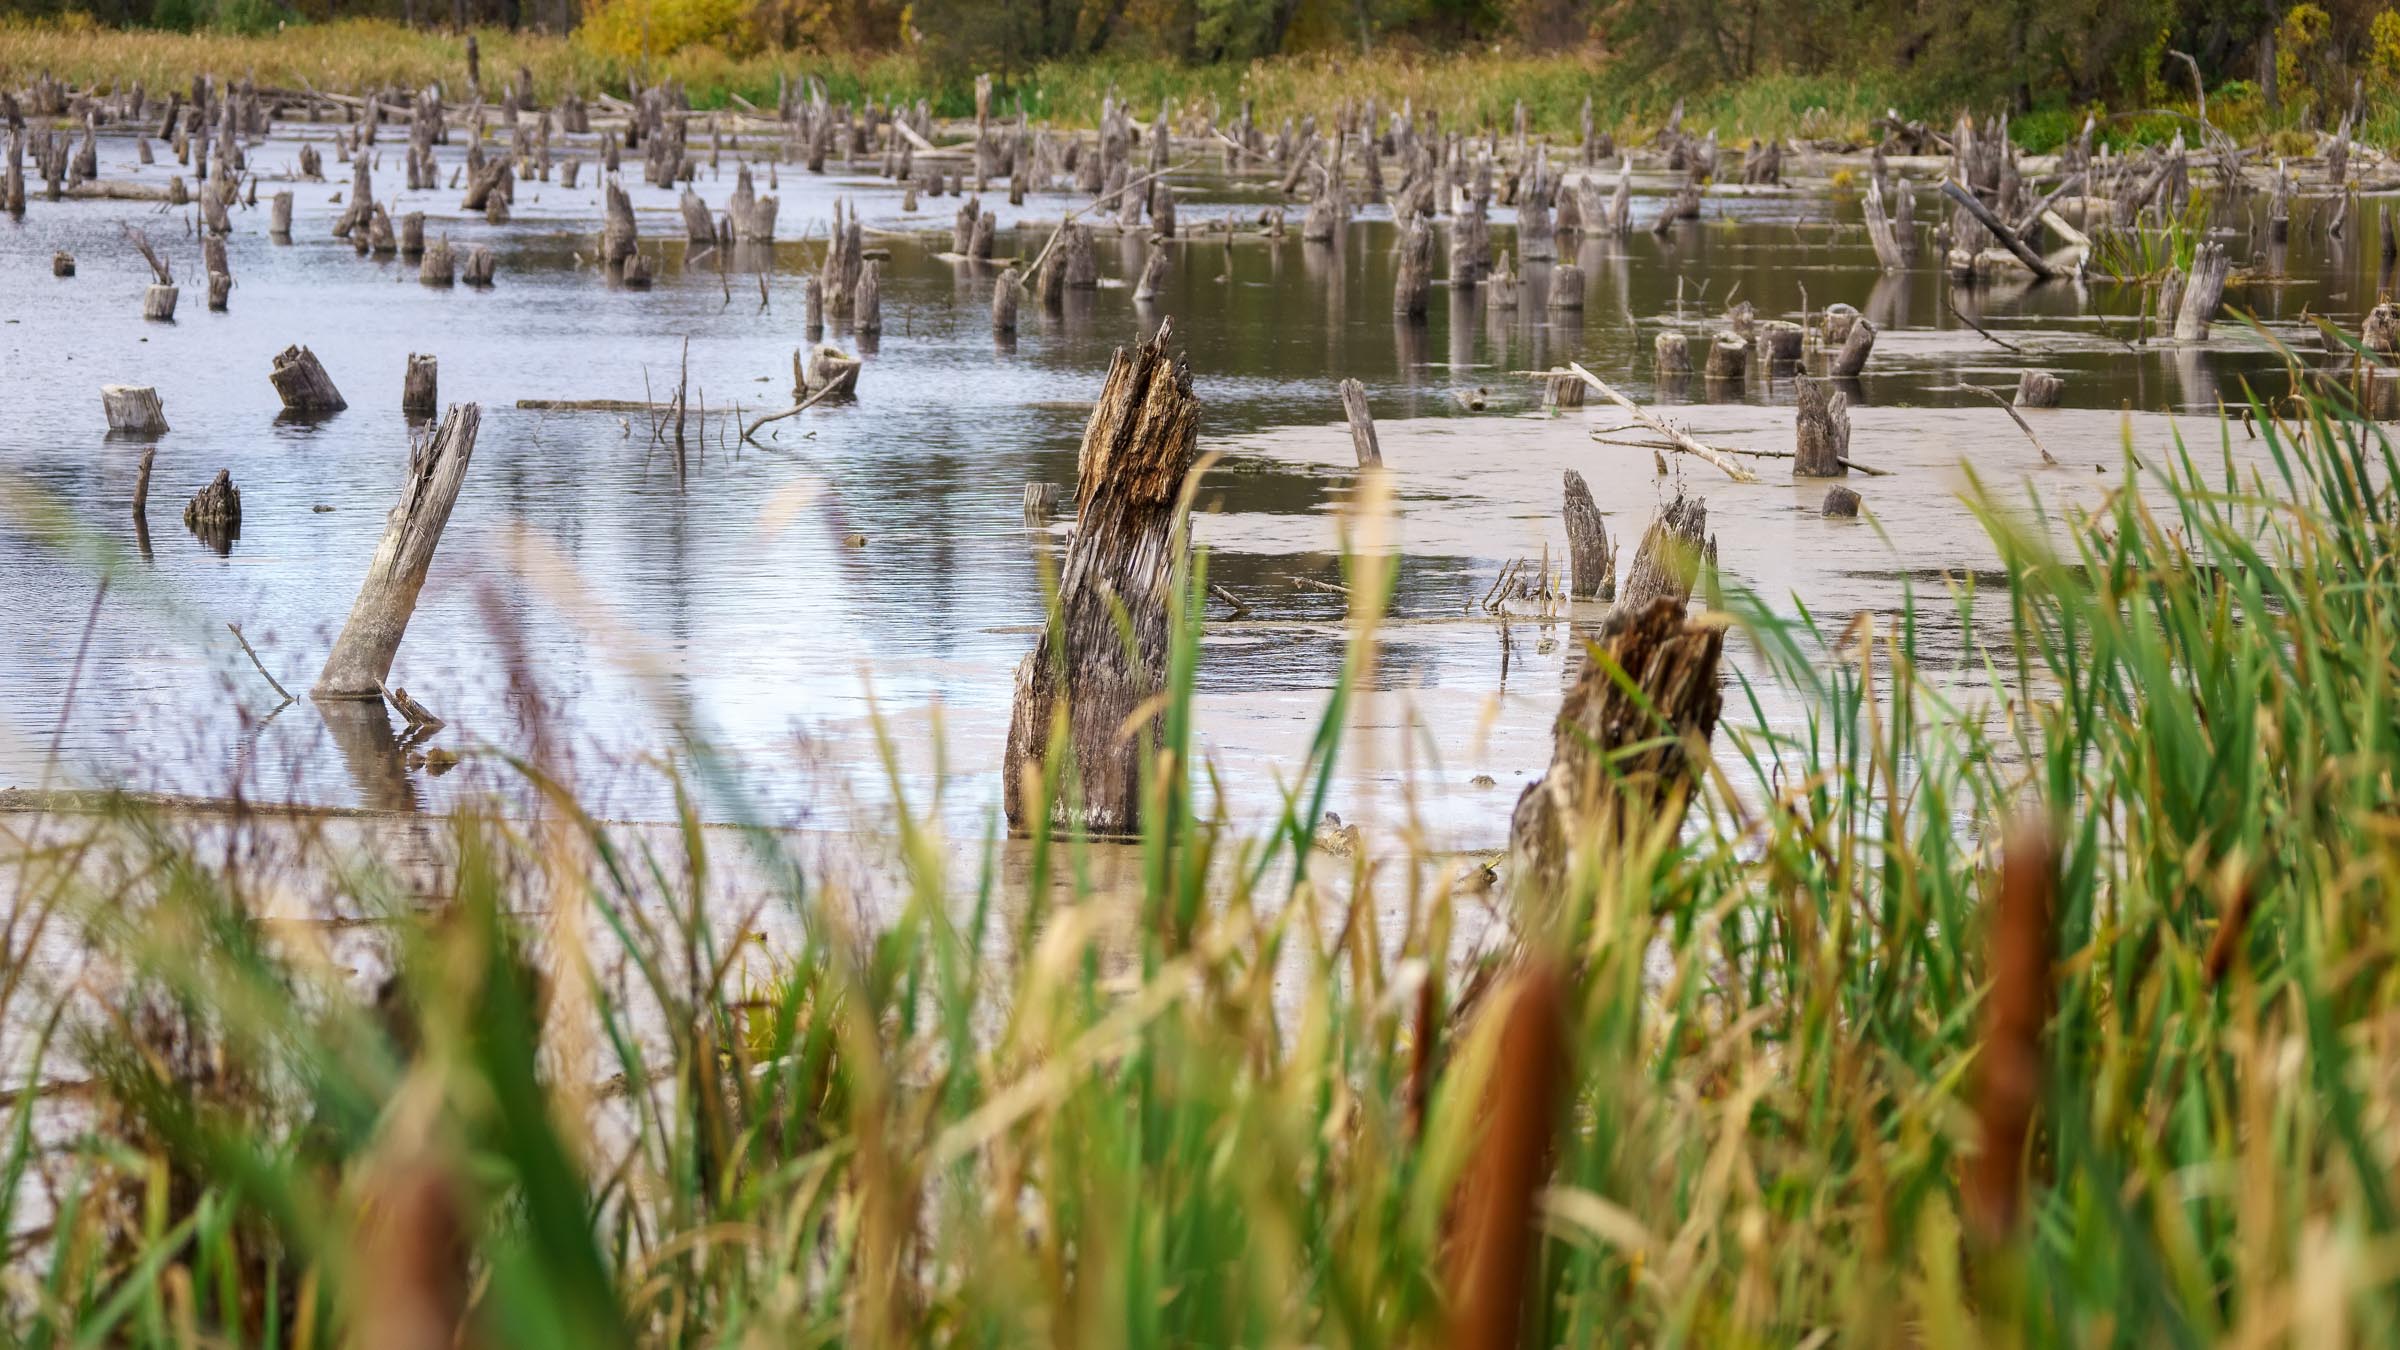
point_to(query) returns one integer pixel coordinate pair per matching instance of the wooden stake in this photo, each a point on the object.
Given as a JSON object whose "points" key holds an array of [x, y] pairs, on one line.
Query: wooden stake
{"points": [[1362, 425]]}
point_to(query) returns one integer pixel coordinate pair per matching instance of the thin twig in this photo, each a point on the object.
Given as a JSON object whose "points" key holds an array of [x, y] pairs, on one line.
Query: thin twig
{"points": [[2018, 418], [262, 666]]}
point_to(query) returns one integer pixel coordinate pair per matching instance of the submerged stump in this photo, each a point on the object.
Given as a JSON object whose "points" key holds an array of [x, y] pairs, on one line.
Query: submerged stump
{"points": [[419, 387], [1085, 676], [1592, 566], [1362, 425], [1822, 432], [301, 382], [2038, 389], [133, 408], [370, 638]]}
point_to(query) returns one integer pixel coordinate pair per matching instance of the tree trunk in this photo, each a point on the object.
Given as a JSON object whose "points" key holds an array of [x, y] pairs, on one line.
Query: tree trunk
{"points": [[419, 387], [1362, 425], [301, 382], [1127, 549], [1857, 344], [437, 466], [1592, 568], [134, 408], [2201, 293], [1823, 432], [2038, 389], [1669, 559]]}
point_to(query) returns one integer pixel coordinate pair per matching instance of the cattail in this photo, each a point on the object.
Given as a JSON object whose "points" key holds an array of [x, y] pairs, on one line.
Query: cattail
{"points": [[2008, 1078], [1494, 1206]]}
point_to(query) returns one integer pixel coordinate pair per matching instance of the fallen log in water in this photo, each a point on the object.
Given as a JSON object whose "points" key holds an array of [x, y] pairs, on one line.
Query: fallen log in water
{"points": [[1681, 439], [370, 638], [1087, 676]]}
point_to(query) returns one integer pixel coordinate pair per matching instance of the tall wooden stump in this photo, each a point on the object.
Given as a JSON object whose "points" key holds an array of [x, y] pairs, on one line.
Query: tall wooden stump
{"points": [[1362, 425], [133, 408], [1728, 357], [2038, 389], [215, 512], [437, 465], [2202, 292], [1674, 354], [1566, 287], [1006, 292], [1823, 432], [158, 302], [1592, 566], [1127, 549], [1154, 275], [301, 382], [1598, 789], [617, 237], [1414, 286], [418, 388], [1667, 563], [1858, 343]]}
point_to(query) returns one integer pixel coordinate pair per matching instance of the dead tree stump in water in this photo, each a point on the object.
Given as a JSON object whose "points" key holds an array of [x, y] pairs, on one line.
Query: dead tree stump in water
{"points": [[866, 304], [418, 397], [301, 382], [1840, 504], [1728, 358], [2380, 333], [1822, 432], [1414, 287], [370, 638], [1599, 789], [617, 235], [133, 408], [220, 290], [1084, 676], [2202, 291], [1041, 503], [158, 302], [1362, 425], [1857, 344], [439, 264], [1779, 345], [478, 271], [1592, 567], [2038, 389], [1005, 294], [1674, 352], [215, 512], [1154, 276], [1566, 287], [1667, 563], [62, 264]]}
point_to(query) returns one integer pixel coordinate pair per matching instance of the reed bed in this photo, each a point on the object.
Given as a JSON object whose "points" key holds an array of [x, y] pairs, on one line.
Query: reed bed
{"points": [[2066, 1017]]}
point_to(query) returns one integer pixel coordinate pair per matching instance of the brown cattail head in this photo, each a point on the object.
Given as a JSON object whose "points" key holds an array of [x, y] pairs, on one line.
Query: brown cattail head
{"points": [[2008, 1077], [1494, 1207]]}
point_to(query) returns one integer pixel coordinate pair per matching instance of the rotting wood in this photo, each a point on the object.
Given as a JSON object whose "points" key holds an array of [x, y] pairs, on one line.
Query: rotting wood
{"points": [[215, 511], [2203, 291], [370, 638], [1821, 431], [1668, 561], [1857, 344], [1841, 503], [1592, 566], [301, 382], [1681, 439], [1362, 425], [419, 386], [1086, 676], [133, 408], [2038, 389], [1631, 732]]}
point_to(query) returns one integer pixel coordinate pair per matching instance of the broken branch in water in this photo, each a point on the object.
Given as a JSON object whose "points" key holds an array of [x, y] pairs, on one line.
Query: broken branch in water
{"points": [[421, 719], [1034, 268], [1240, 610], [1960, 315], [2017, 417], [1683, 440], [749, 432], [262, 666]]}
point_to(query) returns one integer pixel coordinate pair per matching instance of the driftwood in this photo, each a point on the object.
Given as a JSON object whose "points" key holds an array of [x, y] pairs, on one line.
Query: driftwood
{"points": [[1362, 425], [1592, 566], [1681, 439], [1822, 432], [1086, 676], [301, 382], [1622, 759], [370, 638], [133, 408]]}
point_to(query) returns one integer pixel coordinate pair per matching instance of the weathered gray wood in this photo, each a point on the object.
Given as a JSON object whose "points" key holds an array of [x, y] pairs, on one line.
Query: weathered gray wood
{"points": [[1041, 503], [1837, 322], [133, 408], [301, 382], [62, 263], [1728, 357], [2038, 389], [1566, 287], [1621, 760], [1882, 231], [1086, 675], [478, 269], [1007, 292], [2203, 290], [1821, 431], [866, 305], [370, 638], [1857, 344], [1591, 564], [220, 290], [1674, 354], [1841, 503], [141, 493], [1154, 276], [1779, 345], [617, 235], [1413, 289], [279, 217], [215, 511], [1668, 561], [158, 302], [698, 226], [419, 387], [2000, 230], [439, 264], [1362, 425]]}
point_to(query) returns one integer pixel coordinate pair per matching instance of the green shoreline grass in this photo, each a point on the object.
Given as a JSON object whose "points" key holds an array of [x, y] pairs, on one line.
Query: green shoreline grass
{"points": [[1475, 89]]}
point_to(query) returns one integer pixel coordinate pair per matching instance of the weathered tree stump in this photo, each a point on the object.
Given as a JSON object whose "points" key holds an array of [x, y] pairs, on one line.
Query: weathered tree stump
{"points": [[2038, 389], [133, 408], [979, 247], [301, 382], [812, 306], [215, 511], [158, 302], [1728, 358], [2380, 333], [370, 638], [1154, 276], [418, 387], [2202, 291], [1086, 676], [279, 218], [1041, 503], [831, 369], [439, 264], [1362, 425], [1840, 504], [866, 304], [1414, 287], [1667, 563], [1837, 322], [1592, 565], [62, 264], [1779, 345], [1566, 287], [1006, 293], [220, 290], [412, 235], [1822, 432], [1162, 209], [1674, 354], [1601, 791], [617, 237], [699, 228], [1857, 344], [478, 270], [637, 273]]}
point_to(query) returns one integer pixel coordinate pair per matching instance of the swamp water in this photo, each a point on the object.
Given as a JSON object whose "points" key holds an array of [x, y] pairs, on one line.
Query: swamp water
{"points": [[871, 560]]}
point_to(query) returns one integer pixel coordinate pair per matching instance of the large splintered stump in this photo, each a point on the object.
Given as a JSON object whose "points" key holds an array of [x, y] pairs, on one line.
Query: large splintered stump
{"points": [[2038, 389], [133, 408], [2202, 291], [1622, 761], [301, 382], [1566, 287], [370, 638], [616, 232], [1362, 425], [1728, 357], [418, 388], [216, 510], [1592, 566], [1857, 345], [1674, 352], [478, 271], [1087, 677], [1414, 286], [1822, 432], [1667, 563]]}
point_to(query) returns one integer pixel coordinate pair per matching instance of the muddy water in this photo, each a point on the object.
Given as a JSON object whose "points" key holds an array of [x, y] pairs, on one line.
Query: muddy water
{"points": [[871, 562]]}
